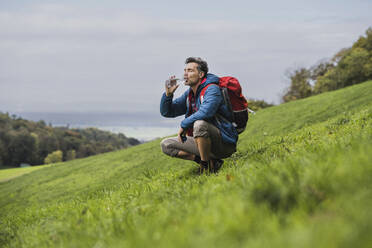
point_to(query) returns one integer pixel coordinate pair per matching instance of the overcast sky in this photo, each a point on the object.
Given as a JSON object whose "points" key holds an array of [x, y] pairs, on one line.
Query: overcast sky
{"points": [[58, 56]]}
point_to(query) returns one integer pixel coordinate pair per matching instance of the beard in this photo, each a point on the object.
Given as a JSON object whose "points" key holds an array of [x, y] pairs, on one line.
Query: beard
{"points": [[190, 83]]}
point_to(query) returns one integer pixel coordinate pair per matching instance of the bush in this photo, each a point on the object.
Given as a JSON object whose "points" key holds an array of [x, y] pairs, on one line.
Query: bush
{"points": [[54, 157]]}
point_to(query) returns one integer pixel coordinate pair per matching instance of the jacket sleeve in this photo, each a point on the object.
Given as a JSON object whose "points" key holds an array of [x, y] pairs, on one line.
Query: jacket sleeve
{"points": [[173, 108], [208, 108]]}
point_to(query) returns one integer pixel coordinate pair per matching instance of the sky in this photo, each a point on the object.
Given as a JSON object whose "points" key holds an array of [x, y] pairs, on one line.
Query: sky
{"points": [[114, 56]]}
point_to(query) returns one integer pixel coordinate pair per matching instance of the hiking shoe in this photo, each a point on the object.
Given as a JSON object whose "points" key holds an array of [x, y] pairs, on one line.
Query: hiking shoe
{"points": [[204, 168], [217, 164], [214, 165]]}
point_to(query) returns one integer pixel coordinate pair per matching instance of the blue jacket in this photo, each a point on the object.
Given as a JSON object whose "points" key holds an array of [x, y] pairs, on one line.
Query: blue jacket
{"points": [[212, 104]]}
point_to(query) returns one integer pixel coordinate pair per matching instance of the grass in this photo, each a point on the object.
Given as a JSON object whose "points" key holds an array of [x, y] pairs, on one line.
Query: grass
{"points": [[8, 173], [301, 177]]}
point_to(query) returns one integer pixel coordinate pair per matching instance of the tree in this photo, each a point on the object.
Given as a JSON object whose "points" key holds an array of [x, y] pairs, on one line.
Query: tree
{"points": [[365, 42], [47, 144], [300, 85], [320, 69], [22, 147], [349, 66], [355, 67], [327, 82], [70, 155], [2, 153]]}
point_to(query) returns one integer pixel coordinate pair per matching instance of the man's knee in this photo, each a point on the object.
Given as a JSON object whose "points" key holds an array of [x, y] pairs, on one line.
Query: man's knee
{"points": [[200, 129], [164, 144], [166, 147]]}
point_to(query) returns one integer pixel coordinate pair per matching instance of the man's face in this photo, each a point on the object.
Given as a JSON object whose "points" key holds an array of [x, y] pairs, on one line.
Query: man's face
{"points": [[191, 74]]}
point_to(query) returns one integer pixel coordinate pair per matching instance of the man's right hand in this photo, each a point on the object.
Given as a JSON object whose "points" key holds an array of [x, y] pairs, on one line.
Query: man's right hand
{"points": [[181, 135], [173, 86]]}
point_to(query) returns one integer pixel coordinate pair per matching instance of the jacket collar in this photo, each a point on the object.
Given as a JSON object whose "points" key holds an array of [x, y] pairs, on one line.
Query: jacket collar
{"points": [[209, 79]]}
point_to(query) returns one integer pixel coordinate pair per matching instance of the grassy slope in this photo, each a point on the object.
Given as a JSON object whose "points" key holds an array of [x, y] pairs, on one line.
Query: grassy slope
{"points": [[9, 173], [302, 176]]}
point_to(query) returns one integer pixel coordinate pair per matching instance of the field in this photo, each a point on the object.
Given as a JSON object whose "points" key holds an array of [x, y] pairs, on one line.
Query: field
{"points": [[302, 177]]}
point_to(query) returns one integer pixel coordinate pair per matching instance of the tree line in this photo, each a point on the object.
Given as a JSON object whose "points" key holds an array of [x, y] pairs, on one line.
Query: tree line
{"points": [[35, 143], [349, 66]]}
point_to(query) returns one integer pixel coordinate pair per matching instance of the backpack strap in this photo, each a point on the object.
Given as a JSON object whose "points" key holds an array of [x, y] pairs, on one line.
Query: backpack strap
{"points": [[188, 103], [226, 100], [225, 95], [202, 93]]}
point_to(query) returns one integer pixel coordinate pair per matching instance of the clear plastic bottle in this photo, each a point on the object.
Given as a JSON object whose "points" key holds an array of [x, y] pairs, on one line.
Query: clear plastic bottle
{"points": [[173, 81]]}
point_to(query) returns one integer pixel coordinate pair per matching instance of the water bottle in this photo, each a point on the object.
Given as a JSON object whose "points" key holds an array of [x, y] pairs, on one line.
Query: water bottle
{"points": [[171, 82]]}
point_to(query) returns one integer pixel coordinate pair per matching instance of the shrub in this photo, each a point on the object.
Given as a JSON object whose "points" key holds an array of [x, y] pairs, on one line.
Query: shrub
{"points": [[54, 157]]}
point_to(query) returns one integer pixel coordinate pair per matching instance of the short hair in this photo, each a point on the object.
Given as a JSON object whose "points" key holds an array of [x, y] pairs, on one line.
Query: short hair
{"points": [[202, 64]]}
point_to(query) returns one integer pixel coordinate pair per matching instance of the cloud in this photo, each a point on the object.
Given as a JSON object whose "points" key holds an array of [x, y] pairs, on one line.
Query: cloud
{"points": [[77, 58]]}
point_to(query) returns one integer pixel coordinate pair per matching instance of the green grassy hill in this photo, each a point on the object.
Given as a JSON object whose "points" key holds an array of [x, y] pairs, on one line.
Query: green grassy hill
{"points": [[301, 177]]}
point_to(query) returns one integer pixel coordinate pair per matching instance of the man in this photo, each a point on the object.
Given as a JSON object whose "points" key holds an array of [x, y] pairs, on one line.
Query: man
{"points": [[206, 134]]}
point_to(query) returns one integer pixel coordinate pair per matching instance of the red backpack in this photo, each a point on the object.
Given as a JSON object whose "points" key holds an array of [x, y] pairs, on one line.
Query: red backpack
{"points": [[234, 99]]}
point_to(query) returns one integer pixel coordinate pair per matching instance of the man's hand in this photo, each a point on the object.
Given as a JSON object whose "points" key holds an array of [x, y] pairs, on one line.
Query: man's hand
{"points": [[171, 86], [181, 135]]}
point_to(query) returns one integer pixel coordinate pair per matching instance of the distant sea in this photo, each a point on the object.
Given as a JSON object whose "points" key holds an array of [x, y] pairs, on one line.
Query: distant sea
{"points": [[142, 126]]}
